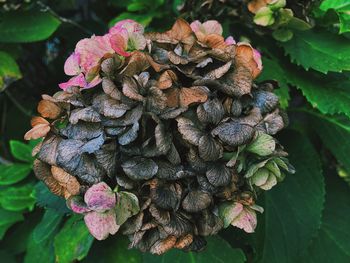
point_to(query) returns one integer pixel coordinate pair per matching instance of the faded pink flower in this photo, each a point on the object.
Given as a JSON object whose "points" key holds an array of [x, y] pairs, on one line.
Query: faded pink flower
{"points": [[230, 41], [91, 51], [84, 63], [126, 36], [100, 197], [72, 65], [206, 28], [257, 58], [101, 225], [80, 81], [244, 217], [98, 208]]}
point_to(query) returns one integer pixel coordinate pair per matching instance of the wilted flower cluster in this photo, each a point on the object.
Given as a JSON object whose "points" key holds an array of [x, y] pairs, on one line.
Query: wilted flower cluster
{"points": [[174, 145]]}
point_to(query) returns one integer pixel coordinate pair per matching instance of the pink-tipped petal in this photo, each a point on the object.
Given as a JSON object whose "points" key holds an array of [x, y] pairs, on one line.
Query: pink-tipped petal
{"points": [[101, 225], [77, 205], [257, 58], [119, 44], [246, 220], [136, 41], [129, 25], [71, 66], [91, 51], [230, 41], [100, 197], [196, 26], [212, 27], [77, 81]]}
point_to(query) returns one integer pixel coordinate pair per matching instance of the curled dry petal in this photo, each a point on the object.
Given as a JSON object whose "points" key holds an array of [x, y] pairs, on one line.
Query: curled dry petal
{"points": [[48, 109], [100, 197], [72, 65], [38, 131], [248, 57], [77, 205], [101, 225], [66, 180]]}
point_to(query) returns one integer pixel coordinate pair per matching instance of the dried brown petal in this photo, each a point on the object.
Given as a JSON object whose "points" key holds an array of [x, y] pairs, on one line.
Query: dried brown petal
{"points": [[177, 59], [49, 109], [189, 131], [219, 72], [211, 111], [161, 216], [219, 175], [209, 224], [161, 246], [266, 101], [131, 90], [167, 79], [68, 181], [209, 149], [139, 168], [234, 133], [109, 107], [196, 201], [36, 120], [111, 89], [137, 63], [48, 151], [165, 196], [178, 225], [196, 94], [184, 241], [87, 114], [38, 131]]}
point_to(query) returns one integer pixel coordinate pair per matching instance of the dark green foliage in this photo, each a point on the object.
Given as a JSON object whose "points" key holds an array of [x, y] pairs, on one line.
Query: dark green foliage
{"points": [[306, 217]]}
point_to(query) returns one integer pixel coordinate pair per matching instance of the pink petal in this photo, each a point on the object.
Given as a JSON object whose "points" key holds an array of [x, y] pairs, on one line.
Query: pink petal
{"points": [[71, 66], [78, 81], [230, 41], [196, 26], [129, 25], [246, 220], [101, 225], [212, 27], [100, 197], [77, 205], [91, 51], [257, 58], [119, 44], [138, 42]]}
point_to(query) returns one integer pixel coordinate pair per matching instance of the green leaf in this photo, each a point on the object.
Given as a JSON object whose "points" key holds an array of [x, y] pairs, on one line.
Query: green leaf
{"points": [[114, 249], [46, 199], [323, 93], [282, 34], [264, 17], [7, 257], [13, 173], [342, 8], [293, 208], [319, 50], [42, 252], [73, 241], [262, 145], [27, 26], [47, 225], [7, 219], [17, 198], [218, 250], [274, 71], [21, 151], [9, 70], [335, 134], [143, 19], [127, 206], [333, 241]]}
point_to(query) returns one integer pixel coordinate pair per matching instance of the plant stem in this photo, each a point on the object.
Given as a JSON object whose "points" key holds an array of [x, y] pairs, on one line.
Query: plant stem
{"points": [[17, 104], [46, 8]]}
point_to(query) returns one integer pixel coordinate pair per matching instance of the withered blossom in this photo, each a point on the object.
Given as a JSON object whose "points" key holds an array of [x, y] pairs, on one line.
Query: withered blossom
{"points": [[178, 128]]}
